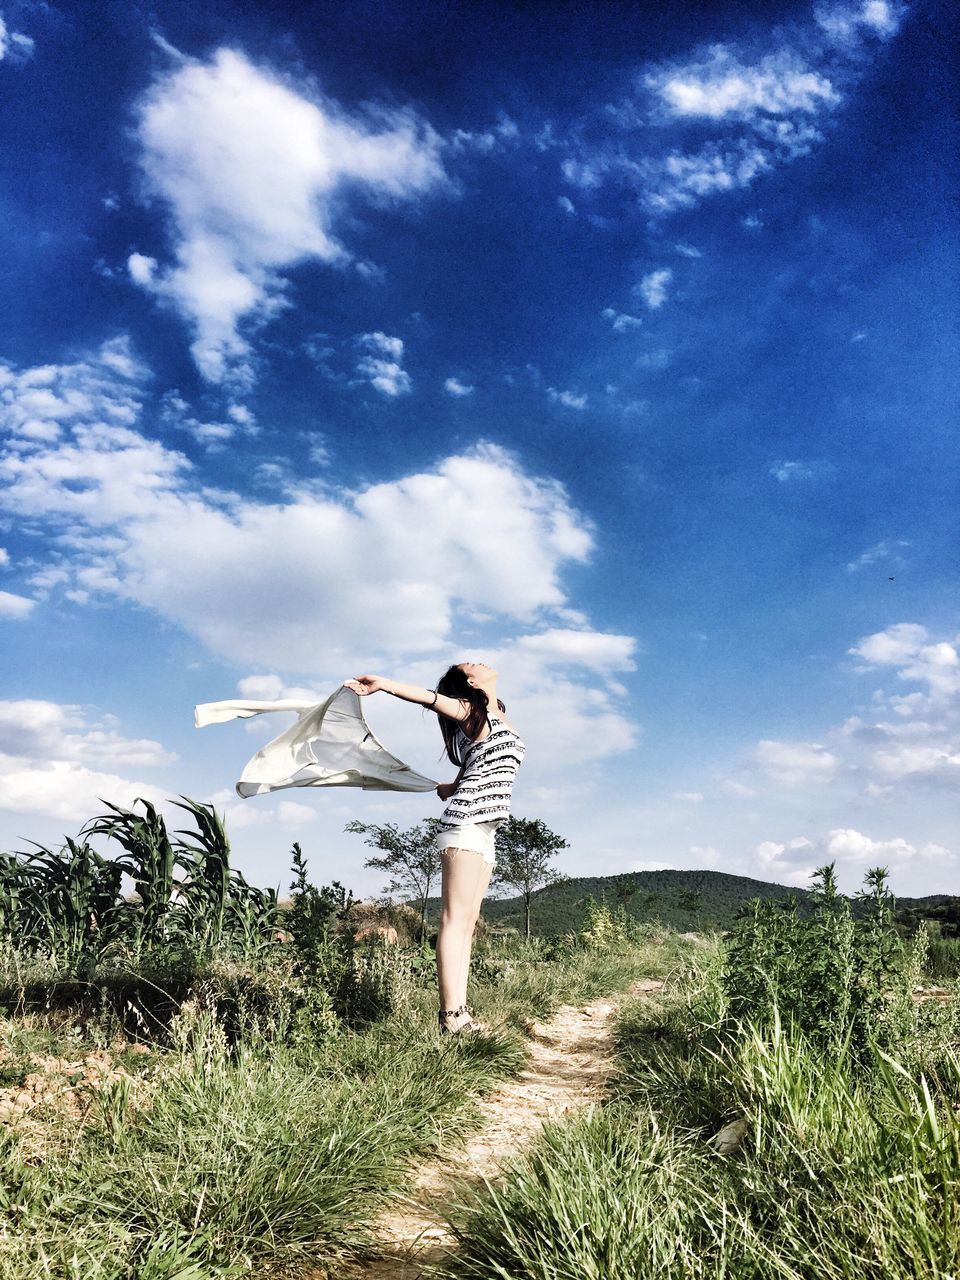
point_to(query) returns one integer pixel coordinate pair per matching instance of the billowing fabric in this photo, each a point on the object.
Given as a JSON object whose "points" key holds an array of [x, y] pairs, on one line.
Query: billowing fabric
{"points": [[330, 745], [486, 787]]}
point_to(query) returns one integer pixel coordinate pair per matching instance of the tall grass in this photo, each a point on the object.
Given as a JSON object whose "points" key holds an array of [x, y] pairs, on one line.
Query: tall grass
{"points": [[769, 1148], [270, 1128]]}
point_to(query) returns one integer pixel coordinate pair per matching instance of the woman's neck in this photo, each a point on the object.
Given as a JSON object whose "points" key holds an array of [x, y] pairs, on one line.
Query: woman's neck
{"points": [[491, 691]]}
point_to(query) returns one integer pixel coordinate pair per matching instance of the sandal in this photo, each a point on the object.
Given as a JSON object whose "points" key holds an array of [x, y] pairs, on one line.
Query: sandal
{"points": [[466, 1023]]}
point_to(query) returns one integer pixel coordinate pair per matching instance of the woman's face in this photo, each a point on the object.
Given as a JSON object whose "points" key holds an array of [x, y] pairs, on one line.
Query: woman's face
{"points": [[478, 672]]}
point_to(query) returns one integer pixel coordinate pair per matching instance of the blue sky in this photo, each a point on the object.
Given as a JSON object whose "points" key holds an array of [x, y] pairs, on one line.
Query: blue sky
{"points": [[606, 343]]}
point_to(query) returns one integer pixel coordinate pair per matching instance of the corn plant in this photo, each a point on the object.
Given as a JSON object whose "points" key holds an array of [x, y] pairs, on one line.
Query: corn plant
{"points": [[150, 861], [206, 860], [70, 901]]}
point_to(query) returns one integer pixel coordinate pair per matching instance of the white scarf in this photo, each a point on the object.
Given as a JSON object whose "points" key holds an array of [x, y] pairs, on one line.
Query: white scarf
{"points": [[330, 745]]}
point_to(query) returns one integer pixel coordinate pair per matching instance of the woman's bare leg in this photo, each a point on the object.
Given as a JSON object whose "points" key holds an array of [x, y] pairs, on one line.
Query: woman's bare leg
{"points": [[465, 876]]}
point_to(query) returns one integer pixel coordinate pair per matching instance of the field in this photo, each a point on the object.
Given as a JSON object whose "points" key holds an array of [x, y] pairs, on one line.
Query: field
{"points": [[196, 1084]]}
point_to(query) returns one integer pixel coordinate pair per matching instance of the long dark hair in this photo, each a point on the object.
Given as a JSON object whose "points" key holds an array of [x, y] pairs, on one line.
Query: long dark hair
{"points": [[454, 684]]}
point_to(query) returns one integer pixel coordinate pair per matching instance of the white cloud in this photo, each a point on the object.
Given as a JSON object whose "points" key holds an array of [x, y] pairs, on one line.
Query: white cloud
{"points": [[176, 414], [569, 399], [294, 815], [653, 287], [893, 647], [383, 367], [61, 789], [454, 387], [847, 23], [400, 560], [15, 47], [885, 550], [38, 403], [681, 181], [250, 168], [911, 739], [792, 472], [847, 844], [593, 649], [687, 250], [566, 204], [142, 269], [744, 111], [689, 797], [322, 582], [4, 557], [620, 321], [14, 606], [795, 764], [52, 759], [52, 731], [721, 86]]}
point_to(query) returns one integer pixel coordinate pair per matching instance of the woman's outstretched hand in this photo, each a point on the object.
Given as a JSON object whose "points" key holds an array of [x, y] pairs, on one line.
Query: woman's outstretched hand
{"points": [[364, 684]]}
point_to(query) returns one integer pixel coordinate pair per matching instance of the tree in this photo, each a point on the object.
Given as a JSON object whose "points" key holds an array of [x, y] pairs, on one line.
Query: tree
{"points": [[411, 858], [525, 847]]}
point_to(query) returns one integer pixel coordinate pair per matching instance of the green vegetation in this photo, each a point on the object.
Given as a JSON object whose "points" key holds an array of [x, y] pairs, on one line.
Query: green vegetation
{"points": [[525, 849], [182, 1098], [410, 859], [196, 1084], [786, 1112], [701, 901], [67, 905]]}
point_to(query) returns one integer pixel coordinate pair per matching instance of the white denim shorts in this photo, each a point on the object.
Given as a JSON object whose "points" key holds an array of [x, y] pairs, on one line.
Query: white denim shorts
{"points": [[477, 837]]}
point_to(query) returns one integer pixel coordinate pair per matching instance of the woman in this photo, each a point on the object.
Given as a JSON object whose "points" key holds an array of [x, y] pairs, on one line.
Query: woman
{"points": [[488, 752]]}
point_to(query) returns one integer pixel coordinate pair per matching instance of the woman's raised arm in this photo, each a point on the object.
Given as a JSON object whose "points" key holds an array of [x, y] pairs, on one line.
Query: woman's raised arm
{"points": [[452, 708]]}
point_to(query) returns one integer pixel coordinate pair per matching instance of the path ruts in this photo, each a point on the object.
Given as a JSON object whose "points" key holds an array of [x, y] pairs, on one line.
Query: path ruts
{"points": [[570, 1063]]}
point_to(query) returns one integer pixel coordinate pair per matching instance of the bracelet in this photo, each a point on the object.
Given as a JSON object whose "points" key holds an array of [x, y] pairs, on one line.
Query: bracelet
{"points": [[434, 702]]}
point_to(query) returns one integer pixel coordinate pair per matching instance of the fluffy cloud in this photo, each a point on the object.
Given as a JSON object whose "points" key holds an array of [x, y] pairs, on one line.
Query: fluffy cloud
{"points": [[796, 859], [848, 23], [37, 404], [909, 736], [14, 606], [400, 576], [620, 321], [792, 472], [51, 731], [382, 366], [251, 170], [597, 650], [14, 45], [306, 582], [743, 112], [68, 791], [898, 644], [796, 764], [52, 759], [653, 288], [569, 399], [454, 387], [721, 86]]}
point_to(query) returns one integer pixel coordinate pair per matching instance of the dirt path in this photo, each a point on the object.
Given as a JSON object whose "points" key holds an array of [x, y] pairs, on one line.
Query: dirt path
{"points": [[571, 1059]]}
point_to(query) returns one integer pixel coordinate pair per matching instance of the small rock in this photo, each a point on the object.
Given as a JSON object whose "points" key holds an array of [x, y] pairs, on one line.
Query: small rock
{"points": [[729, 1138]]}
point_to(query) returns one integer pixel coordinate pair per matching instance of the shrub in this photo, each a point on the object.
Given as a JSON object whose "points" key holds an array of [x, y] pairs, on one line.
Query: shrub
{"points": [[837, 978]]}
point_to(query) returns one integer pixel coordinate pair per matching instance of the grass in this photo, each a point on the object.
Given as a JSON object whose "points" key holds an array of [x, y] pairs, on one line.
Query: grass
{"points": [[222, 1153], [843, 1173]]}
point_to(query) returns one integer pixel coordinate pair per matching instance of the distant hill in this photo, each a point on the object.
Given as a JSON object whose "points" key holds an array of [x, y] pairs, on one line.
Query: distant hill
{"points": [[684, 900]]}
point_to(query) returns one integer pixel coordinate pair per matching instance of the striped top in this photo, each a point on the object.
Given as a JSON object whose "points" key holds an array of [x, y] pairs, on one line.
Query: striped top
{"points": [[490, 766]]}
